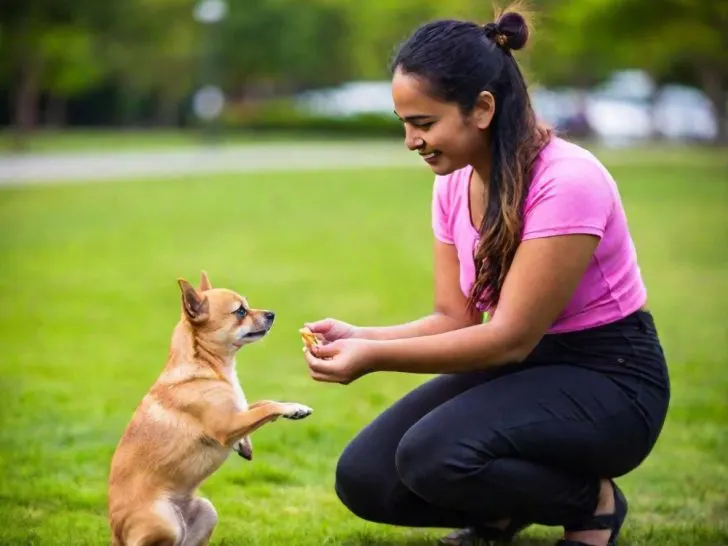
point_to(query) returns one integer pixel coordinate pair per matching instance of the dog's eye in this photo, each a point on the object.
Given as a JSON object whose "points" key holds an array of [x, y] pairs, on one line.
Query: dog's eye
{"points": [[241, 312]]}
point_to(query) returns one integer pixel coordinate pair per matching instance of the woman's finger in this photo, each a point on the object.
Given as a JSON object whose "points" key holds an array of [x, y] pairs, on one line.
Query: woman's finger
{"points": [[322, 367], [322, 377], [320, 326], [312, 359], [326, 350]]}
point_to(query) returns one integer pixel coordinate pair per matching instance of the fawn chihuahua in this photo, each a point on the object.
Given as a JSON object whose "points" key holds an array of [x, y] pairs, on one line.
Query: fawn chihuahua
{"points": [[193, 416]]}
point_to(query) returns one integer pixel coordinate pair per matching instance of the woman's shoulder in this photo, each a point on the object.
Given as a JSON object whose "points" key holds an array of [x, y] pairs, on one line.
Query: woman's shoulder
{"points": [[565, 163], [560, 151]]}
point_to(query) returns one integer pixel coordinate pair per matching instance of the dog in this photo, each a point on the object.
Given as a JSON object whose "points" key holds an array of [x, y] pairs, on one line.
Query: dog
{"points": [[189, 422]]}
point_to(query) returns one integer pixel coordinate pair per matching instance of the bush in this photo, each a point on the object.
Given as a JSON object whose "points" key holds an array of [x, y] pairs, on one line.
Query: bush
{"points": [[281, 116]]}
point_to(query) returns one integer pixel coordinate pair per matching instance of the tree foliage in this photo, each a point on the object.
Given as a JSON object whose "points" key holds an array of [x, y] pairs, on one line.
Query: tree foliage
{"points": [[155, 48]]}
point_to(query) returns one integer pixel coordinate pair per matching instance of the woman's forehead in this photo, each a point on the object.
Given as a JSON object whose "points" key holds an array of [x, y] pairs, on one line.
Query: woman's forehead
{"points": [[411, 97]]}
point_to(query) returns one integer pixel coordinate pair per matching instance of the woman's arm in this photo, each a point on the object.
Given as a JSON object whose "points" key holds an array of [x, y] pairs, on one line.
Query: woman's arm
{"points": [[450, 310], [544, 275]]}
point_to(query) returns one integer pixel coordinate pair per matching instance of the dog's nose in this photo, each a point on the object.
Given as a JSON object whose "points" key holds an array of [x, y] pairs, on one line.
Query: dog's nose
{"points": [[269, 316]]}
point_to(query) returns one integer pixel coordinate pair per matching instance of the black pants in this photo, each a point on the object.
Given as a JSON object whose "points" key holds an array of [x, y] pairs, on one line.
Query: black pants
{"points": [[530, 441]]}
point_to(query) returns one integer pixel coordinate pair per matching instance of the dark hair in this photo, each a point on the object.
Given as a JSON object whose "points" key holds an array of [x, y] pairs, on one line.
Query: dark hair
{"points": [[459, 60]]}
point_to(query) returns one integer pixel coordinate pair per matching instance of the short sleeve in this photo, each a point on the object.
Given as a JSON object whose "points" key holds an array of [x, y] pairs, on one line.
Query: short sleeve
{"points": [[572, 197], [441, 211]]}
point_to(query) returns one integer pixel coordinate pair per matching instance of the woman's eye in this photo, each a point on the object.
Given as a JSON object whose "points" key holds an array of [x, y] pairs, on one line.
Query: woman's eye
{"points": [[241, 312]]}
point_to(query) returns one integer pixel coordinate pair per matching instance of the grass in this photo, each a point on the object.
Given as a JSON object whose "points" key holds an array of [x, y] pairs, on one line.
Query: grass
{"points": [[103, 140], [50, 141], [87, 276]]}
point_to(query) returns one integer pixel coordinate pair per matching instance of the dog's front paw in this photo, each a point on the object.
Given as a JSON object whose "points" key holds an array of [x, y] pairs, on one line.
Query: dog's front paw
{"points": [[297, 411]]}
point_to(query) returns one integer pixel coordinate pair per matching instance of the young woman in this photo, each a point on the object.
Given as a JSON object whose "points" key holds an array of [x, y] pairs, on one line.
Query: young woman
{"points": [[565, 386]]}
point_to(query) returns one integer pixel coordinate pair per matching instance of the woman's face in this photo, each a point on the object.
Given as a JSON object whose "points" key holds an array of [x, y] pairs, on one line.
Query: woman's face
{"points": [[445, 138]]}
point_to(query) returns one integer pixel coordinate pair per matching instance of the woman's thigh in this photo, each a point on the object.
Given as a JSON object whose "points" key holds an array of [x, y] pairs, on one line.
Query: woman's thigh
{"points": [[367, 481], [372, 451], [564, 416]]}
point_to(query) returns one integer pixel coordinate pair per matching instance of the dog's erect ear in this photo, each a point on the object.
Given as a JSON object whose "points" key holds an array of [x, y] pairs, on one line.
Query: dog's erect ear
{"points": [[194, 304], [204, 282]]}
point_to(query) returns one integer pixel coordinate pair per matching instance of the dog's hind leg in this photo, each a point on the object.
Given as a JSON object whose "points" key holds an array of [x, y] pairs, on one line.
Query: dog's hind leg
{"points": [[162, 524], [200, 519]]}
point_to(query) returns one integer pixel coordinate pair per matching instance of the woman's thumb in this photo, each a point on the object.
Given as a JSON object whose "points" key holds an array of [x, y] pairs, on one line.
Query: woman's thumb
{"points": [[326, 351], [320, 326]]}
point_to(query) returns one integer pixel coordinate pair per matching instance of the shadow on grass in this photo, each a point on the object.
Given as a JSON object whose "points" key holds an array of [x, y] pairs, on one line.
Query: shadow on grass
{"points": [[688, 535], [434, 541]]}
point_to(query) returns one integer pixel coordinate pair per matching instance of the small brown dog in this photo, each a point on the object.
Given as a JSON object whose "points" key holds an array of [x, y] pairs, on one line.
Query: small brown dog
{"points": [[188, 423]]}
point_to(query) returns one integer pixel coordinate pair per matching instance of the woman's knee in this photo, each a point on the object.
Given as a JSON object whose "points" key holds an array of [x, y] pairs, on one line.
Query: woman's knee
{"points": [[429, 464], [361, 486]]}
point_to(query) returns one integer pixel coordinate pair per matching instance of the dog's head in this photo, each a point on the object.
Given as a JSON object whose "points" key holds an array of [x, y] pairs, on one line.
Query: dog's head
{"points": [[222, 317]]}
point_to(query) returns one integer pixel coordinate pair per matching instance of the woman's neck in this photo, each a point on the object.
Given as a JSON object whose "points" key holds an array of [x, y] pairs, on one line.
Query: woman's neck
{"points": [[482, 162], [479, 183]]}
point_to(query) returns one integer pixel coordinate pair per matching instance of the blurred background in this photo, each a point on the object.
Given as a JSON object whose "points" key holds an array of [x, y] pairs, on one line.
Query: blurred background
{"points": [[617, 71]]}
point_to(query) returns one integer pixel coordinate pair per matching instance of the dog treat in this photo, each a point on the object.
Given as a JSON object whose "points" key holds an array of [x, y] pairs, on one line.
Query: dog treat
{"points": [[309, 338]]}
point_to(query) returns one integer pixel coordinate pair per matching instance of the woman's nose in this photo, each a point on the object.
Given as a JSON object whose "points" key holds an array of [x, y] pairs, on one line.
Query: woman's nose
{"points": [[413, 140]]}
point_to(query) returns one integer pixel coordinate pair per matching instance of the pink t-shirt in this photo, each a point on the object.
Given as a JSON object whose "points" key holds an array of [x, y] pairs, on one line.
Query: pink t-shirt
{"points": [[571, 192]]}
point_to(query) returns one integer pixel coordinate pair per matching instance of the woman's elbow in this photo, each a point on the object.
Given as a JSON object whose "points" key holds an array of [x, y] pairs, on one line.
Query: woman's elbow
{"points": [[518, 344], [458, 319], [521, 351]]}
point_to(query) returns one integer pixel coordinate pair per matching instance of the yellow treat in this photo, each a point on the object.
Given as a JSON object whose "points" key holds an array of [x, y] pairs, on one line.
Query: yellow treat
{"points": [[309, 338]]}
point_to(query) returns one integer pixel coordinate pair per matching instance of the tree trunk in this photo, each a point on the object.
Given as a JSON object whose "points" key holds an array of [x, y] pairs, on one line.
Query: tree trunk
{"points": [[166, 110], [27, 92], [56, 111], [711, 82]]}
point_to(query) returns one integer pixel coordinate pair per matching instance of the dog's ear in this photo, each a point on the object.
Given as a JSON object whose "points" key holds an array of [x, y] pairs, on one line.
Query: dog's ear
{"points": [[194, 304], [204, 282]]}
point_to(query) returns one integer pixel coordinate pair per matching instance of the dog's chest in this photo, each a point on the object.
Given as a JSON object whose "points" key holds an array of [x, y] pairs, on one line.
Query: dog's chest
{"points": [[240, 401]]}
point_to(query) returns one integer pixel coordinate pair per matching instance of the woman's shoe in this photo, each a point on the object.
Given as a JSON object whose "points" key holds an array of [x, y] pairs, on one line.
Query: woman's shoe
{"points": [[484, 536], [613, 521]]}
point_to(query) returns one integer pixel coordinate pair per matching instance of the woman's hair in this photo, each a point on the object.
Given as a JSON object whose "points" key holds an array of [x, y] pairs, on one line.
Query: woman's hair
{"points": [[458, 60]]}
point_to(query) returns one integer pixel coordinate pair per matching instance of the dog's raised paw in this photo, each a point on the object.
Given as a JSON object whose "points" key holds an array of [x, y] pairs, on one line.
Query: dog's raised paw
{"points": [[297, 411]]}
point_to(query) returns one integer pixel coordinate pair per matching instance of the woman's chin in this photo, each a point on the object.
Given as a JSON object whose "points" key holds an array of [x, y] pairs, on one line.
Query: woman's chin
{"points": [[441, 166]]}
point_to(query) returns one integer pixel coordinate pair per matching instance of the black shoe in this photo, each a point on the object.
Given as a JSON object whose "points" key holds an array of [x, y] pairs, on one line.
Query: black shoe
{"points": [[613, 521], [483, 536]]}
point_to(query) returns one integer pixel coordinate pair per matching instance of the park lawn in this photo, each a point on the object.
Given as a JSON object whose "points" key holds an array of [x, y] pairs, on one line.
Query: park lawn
{"points": [[48, 141], [88, 273], [96, 140], [102, 140]]}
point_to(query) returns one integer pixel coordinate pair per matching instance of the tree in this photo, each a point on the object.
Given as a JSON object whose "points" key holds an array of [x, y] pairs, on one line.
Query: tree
{"points": [[152, 51], [284, 44], [681, 40], [70, 66], [678, 34], [30, 32]]}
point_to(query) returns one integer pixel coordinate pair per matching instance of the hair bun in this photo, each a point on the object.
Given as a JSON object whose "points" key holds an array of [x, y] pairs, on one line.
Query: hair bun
{"points": [[513, 25]]}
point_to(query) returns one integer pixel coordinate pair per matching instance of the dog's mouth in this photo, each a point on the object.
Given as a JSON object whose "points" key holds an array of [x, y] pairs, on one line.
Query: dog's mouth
{"points": [[249, 337]]}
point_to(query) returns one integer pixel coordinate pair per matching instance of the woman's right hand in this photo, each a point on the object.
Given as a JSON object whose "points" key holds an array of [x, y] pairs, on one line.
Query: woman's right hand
{"points": [[330, 329]]}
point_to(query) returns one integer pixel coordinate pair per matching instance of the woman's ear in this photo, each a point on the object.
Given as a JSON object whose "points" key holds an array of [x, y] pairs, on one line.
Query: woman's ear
{"points": [[484, 110]]}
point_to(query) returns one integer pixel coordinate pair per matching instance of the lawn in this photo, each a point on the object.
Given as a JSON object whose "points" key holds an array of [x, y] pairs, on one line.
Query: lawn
{"points": [[48, 141], [88, 273]]}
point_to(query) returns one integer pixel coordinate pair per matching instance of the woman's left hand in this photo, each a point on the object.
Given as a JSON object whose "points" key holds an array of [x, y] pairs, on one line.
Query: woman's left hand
{"points": [[341, 361]]}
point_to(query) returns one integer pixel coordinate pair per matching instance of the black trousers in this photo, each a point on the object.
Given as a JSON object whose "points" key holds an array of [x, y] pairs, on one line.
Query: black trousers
{"points": [[530, 441]]}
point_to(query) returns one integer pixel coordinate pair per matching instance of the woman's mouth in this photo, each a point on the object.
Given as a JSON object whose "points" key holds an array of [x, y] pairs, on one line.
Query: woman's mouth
{"points": [[430, 157]]}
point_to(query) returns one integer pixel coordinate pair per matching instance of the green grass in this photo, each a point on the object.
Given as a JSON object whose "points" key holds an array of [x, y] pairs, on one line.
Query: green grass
{"points": [[47, 141], [87, 276], [98, 140]]}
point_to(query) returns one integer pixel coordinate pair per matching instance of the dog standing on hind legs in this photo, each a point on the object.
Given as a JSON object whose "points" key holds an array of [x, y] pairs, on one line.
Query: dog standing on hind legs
{"points": [[185, 427]]}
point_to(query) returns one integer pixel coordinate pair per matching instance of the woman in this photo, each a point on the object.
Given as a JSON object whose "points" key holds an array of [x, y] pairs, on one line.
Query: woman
{"points": [[565, 386]]}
